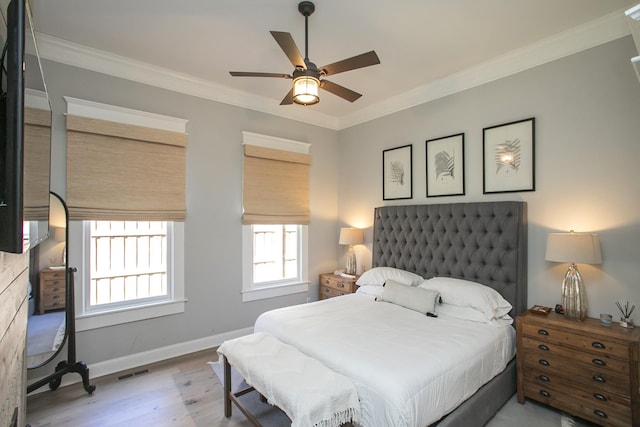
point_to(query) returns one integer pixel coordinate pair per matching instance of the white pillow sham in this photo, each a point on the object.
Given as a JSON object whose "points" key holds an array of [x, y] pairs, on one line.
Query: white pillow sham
{"points": [[411, 297], [471, 314], [374, 291], [465, 293], [377, 276]]}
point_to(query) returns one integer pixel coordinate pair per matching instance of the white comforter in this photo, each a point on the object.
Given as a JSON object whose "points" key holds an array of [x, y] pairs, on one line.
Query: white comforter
{"points": [[409, 369]]}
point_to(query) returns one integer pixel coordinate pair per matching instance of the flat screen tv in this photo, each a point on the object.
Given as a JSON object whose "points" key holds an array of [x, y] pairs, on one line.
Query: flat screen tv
{"points": [[25, 150]]}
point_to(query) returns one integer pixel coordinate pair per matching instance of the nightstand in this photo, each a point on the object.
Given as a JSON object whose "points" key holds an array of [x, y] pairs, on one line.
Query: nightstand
{"points": [[582, 368], [332, 285], [52, 289]]}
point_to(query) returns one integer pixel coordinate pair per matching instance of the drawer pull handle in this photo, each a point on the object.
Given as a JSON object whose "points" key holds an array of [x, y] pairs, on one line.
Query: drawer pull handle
{"points": [[600, 397], [597, 344], [543, 347], [55, 289], [599, 378], [599, 362], [543, 332], [545, 393], [341, 285], [600, 413], [543, 362], [544, 378]]}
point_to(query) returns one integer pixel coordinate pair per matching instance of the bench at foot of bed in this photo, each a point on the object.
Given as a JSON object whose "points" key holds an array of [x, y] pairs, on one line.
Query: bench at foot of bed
{"points": [[303, 388]]}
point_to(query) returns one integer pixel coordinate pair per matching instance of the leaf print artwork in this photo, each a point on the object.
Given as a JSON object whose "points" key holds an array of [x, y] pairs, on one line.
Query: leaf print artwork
{"points": [[445, 165], [397, 173], [508, 157]]}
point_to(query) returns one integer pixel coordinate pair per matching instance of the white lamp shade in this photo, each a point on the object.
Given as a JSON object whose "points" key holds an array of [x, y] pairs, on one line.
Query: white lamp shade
{"points": [[579, 248], [351, 236], [59, 234]]}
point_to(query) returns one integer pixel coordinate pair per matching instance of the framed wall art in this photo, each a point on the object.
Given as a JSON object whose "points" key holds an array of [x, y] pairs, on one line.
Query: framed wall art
{"points": [[445, 166], [509, 157], [397, 178]]}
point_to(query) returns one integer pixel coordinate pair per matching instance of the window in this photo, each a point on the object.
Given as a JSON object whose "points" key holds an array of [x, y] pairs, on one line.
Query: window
{"points": [[132, 270], [274, 257], [128, 263]]}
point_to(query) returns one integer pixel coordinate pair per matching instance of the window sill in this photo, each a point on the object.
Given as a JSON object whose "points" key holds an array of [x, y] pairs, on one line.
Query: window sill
{"points": [[274, 291], [88, 321]]}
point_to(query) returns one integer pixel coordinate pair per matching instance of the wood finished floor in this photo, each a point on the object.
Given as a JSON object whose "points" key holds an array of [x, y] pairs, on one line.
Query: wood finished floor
{"points": [[185, 392]]}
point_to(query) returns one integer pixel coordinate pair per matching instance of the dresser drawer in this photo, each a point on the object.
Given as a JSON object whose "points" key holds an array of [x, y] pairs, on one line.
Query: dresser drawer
{"points": [[596, 345], [599, 360], [590, 376], [52, 275], [579, 403]]}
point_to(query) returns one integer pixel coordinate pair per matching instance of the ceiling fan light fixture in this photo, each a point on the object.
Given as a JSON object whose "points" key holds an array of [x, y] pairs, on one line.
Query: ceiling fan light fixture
{"points": [[305, 90]]}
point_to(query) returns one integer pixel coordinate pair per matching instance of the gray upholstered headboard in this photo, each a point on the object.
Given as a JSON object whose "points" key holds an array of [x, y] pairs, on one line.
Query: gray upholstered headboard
{"points": [[484, 242]]}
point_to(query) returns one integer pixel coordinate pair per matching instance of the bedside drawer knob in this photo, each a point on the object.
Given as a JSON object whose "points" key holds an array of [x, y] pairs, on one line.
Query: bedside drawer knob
{"points": [[543, 347], [599, 362], [341, 285], [600, 413], [544, 378], [545, 393], [543, 332], [597, 344], [543, 362], [599, 378], [600, 397]]}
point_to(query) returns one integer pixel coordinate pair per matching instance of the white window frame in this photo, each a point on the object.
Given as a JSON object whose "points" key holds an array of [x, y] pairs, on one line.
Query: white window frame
{"points": [[93, 317], [256, 291]]}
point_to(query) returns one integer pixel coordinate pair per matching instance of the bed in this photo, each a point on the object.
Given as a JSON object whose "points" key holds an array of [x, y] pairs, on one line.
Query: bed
{"points": [[390, 352]]}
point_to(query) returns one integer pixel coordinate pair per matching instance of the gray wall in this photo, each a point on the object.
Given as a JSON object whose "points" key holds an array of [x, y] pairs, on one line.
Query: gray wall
{"points": [[212, 227], [587, 148]]}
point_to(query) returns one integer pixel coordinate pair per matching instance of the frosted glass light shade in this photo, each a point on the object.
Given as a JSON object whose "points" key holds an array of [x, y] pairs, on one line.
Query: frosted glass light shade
{"points": [[305, 90]]}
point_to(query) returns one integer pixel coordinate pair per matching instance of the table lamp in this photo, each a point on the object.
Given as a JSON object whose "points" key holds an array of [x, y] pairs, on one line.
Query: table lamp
{"points": [[574, 248], [351, 236]]}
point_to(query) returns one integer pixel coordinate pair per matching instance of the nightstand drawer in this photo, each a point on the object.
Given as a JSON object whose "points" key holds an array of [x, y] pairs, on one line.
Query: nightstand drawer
{"points": [[598, 345], [326, 292], [338, 284]]}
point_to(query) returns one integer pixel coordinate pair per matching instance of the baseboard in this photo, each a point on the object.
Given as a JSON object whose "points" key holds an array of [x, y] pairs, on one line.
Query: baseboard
{"points": [[108, 367]]}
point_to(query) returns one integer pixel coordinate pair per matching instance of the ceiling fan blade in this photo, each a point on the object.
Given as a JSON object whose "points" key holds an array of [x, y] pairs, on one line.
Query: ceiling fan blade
{"points": [[360, 61], [289, 47], [251, 74], [288, 99], [340, 91]]}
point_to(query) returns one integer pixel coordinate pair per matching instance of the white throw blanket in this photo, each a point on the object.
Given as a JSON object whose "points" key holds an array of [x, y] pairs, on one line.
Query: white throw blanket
{"points": [[307, 391]]}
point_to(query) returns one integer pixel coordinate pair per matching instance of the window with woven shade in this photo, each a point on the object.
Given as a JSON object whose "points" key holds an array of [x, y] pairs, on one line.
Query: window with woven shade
{"points": [[275, 216], [126, 187]]}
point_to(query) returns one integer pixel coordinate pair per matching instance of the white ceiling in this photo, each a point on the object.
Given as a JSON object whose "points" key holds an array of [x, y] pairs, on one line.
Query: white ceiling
{"points": [[427, 48]]}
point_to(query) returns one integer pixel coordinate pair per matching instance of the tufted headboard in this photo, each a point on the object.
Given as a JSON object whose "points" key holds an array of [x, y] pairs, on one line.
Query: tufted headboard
{"points": [[485, 242]]}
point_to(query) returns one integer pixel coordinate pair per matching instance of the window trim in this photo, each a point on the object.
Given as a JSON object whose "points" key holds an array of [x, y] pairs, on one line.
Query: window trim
{"points": [[253, 292], [89, 319]]}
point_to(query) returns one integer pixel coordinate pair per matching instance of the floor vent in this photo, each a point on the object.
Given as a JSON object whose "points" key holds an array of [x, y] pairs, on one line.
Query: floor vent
{"points": [[133, 374]]}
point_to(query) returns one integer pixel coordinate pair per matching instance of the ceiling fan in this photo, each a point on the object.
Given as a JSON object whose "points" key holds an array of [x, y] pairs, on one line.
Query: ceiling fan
{"points": [[307, 77]]}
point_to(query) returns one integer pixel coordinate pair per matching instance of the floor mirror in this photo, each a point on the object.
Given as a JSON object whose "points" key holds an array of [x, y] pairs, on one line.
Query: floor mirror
{"points": [[51, 323]]}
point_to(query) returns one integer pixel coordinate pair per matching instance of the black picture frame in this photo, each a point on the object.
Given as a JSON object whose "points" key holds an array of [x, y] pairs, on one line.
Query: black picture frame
{"points": [[508, 157], [397, 173], [444, 166]]}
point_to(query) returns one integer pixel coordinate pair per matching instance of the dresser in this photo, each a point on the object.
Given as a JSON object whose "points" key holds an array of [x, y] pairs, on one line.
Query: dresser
{"points": [[582, 368], [332, 285], [52, 289]]}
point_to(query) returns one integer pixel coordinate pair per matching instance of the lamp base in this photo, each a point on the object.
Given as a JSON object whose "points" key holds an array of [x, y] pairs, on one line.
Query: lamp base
{"points": [[351, 261], [574, 296]]}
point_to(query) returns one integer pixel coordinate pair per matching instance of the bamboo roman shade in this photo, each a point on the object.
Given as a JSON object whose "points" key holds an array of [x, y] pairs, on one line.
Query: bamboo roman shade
{"points": [[275, 186], [37, 155], [120, 172]]}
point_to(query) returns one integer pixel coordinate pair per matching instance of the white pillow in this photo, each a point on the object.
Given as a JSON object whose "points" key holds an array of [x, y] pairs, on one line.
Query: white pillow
{"points": [[465, 293], [378, 275], [374, 291], [411, 297], [471, 314]]}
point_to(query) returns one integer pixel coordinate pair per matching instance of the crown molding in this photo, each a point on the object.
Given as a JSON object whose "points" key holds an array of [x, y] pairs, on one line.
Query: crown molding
{"points": [[594, 33]]}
